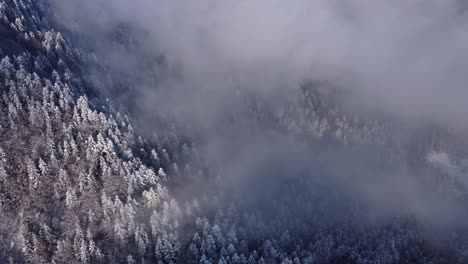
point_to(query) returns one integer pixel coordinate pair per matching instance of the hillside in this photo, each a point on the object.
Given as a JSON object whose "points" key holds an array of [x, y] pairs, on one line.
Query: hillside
{"points": [[107, 157]]}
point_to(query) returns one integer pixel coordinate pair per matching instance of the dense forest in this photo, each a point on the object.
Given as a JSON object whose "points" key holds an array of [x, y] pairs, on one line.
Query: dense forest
{"points": [[87, 176]]}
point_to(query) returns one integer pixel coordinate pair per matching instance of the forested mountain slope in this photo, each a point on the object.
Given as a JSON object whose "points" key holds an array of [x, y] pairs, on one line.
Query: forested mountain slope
{"points": [[77, 184], [81, 183]]}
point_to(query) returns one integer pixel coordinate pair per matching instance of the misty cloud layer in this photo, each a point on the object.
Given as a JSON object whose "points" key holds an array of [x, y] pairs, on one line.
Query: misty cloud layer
{"points": [[403, 57]]}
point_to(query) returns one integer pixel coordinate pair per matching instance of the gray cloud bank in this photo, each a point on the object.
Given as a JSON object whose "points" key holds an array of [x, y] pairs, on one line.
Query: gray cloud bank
{"points": [[407, 58]]}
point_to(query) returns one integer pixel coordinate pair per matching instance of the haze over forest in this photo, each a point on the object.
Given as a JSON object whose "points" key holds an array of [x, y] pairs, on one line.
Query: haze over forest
{"points": [[253, 131]]}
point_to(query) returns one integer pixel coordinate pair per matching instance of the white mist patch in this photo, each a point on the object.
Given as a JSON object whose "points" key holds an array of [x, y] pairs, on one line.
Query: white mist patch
{"points": [[457, 173]]}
